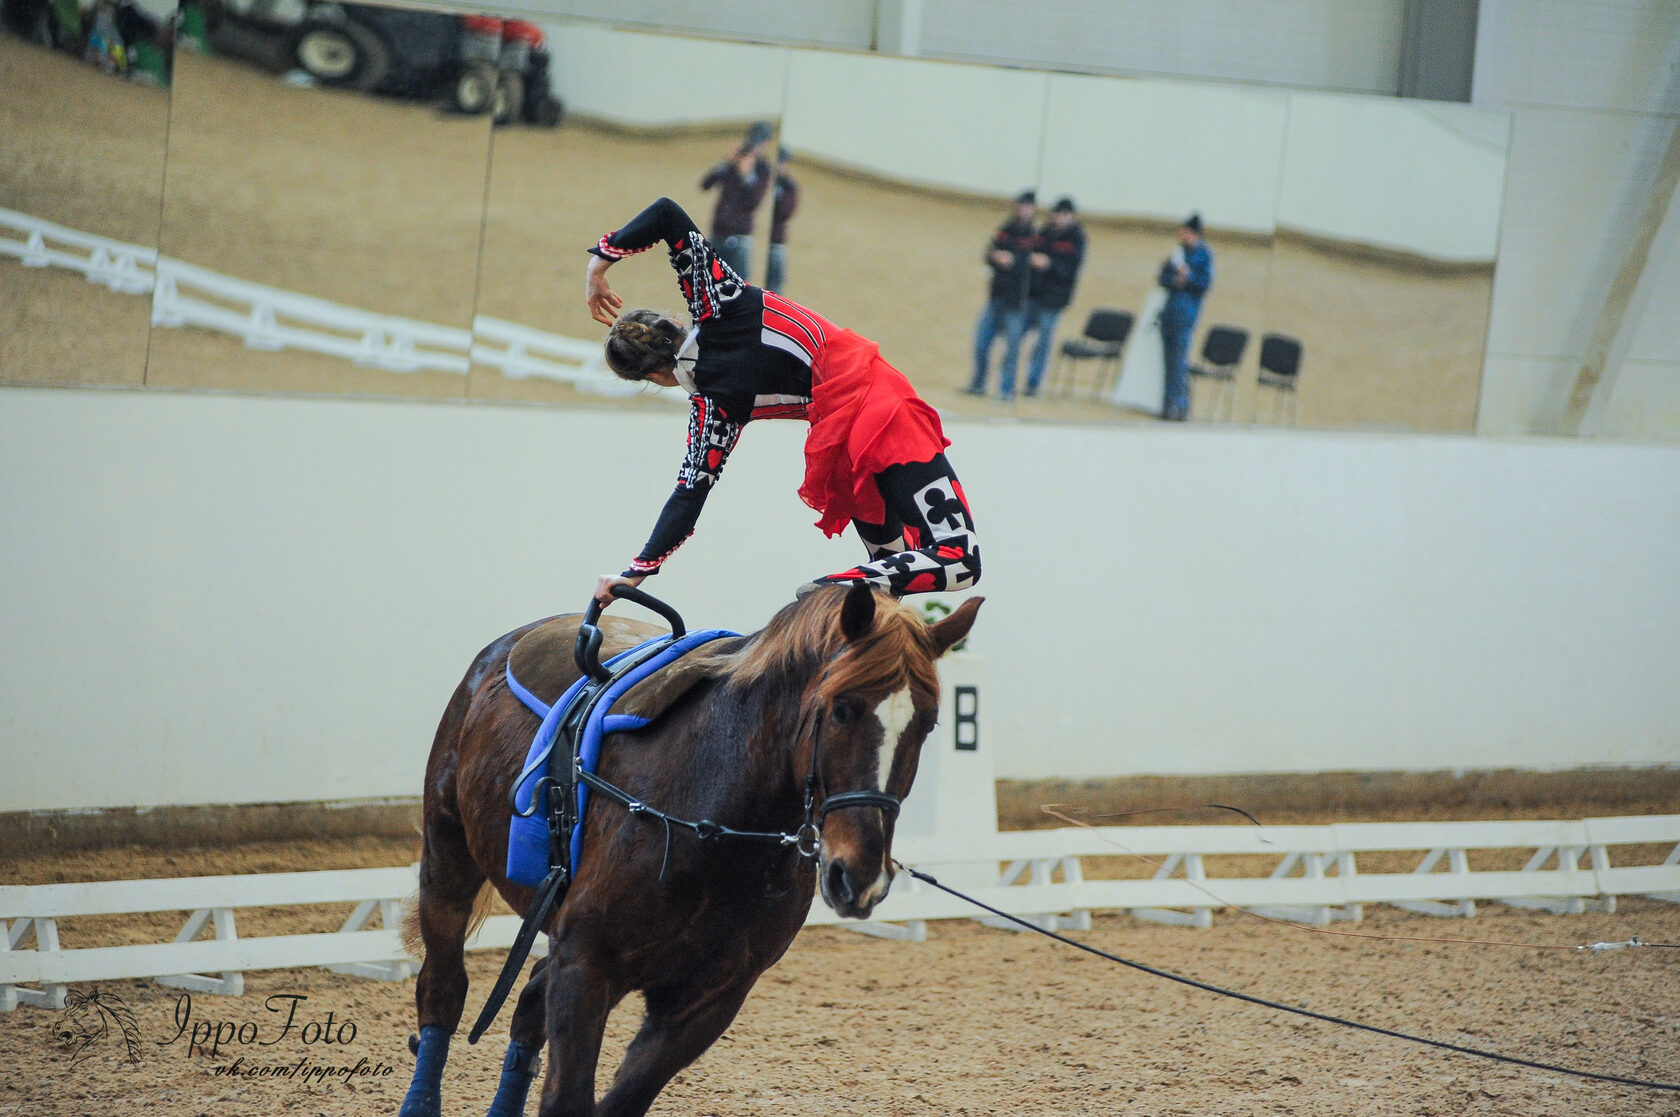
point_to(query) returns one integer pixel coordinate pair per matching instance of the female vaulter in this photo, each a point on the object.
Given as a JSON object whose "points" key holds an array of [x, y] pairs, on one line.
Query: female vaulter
{"points": [[874, 455]]}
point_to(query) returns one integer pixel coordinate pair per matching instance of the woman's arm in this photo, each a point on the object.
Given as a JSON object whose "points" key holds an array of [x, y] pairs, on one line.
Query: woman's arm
{"points": [[708, 284], [603, 302], [712, 436]]}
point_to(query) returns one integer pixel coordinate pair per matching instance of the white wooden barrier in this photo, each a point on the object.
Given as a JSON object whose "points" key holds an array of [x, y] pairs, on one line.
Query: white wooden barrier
{"points": [[1038, 875], [38, 244], [36, 910]]}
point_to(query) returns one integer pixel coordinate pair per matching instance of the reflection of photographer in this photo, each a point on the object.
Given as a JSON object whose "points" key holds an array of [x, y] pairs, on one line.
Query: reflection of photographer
{"points": [[1186, 274], [742, 180]]}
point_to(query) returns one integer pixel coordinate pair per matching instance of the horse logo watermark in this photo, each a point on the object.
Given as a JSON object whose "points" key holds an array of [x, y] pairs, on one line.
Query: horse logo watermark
{"points": [[91, 1019]]}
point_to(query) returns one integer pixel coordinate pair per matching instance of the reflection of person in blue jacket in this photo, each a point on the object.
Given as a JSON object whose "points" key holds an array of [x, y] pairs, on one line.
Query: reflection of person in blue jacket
{"points": [[1186, 274]]}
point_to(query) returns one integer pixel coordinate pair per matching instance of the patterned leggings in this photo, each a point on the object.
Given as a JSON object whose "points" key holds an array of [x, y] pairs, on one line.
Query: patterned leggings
{"points": [[927, 543]]}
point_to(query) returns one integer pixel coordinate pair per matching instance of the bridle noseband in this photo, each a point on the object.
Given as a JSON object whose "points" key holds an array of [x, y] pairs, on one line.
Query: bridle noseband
{"points": [[816, 815]]}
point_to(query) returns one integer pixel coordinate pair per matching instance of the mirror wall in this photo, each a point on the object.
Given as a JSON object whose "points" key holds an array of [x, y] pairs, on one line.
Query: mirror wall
{"points": [[317, 163], [340, 213], [84, 120]]}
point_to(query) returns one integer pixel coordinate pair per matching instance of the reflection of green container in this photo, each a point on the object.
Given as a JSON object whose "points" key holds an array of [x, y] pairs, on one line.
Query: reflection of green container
{"points": [[69, 14], [150, 63], [193, 27]]}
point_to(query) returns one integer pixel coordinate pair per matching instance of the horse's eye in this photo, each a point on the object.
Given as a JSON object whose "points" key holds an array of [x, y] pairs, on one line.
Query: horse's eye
{"points": [[841, 712]]}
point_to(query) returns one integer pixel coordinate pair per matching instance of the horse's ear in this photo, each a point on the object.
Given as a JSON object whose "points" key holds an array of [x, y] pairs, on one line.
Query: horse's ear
{"points": [[950, 631], [858, 612]]}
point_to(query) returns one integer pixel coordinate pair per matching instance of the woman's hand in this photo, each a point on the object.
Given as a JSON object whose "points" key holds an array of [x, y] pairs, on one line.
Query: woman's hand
{"points": [[604, 304], [605, 583]]}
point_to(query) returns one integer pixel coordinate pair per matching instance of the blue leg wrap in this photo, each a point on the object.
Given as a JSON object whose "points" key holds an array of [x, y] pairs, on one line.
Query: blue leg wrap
{"points": [[425, 1093], [518, 1069]]}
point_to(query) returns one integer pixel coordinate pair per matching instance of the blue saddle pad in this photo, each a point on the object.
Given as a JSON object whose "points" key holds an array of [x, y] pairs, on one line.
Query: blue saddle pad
{"points": [[527, 858]]}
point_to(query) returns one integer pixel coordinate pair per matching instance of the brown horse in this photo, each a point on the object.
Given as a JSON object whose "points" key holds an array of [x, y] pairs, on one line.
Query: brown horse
{"points": [[842, 684]]}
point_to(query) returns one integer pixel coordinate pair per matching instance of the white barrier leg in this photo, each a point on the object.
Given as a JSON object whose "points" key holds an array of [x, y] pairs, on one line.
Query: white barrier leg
{"points": [[227, 984], [46, 938]]}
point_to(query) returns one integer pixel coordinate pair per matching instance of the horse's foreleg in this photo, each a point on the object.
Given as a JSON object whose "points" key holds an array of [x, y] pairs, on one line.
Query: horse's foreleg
{"points": [[519, 1066], [577, 1006], [449, 882], [680, 1026]]}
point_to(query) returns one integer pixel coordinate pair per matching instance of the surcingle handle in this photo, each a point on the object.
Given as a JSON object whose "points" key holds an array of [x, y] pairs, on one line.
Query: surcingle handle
{"points": [[587, 651]]}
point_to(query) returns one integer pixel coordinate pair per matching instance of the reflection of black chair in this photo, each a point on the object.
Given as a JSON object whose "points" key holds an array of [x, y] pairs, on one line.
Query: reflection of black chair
{"points": [[1222, 351], [1105, 335], [1280, 368]]}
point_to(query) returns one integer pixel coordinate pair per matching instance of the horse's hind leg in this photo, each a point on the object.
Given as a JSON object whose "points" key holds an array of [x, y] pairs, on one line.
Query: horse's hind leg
{"points": [[680, 1025], [578, 1002], [519, 1066], [449, 883]]}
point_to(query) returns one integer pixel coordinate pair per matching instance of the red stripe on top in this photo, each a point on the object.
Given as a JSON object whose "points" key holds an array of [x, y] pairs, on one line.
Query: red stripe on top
{"points": [[800, 322], [794, 331]]}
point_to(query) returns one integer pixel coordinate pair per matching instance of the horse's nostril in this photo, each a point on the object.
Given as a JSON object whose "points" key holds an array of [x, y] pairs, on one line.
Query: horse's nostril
{"points": [[839, 883]]}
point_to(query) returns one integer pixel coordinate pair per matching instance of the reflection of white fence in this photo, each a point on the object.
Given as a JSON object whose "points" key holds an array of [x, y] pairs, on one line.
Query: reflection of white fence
{"points": [[1038, 875], [273, 319], [121, 267], [520, 352]]}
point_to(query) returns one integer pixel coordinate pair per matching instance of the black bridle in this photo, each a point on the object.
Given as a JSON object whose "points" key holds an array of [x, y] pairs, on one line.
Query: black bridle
{"points": [[817, 815]]}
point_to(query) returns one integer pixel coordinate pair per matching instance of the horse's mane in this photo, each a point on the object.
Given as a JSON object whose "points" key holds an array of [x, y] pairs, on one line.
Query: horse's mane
{"points": [[804, 636]]}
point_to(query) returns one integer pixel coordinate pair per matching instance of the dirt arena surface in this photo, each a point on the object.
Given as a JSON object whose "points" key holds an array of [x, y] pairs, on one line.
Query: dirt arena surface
{"points": [[974, 1021], [399, 207]]}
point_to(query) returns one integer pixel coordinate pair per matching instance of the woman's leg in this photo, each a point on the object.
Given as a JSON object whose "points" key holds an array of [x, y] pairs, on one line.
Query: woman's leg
{"points": [[934, 547]]}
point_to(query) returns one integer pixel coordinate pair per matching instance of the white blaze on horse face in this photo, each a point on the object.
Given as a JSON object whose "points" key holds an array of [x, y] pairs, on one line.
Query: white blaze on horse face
{"points": [[895, 713]]}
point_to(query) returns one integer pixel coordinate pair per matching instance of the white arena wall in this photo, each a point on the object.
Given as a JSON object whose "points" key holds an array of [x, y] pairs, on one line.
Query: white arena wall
{"points": [[226, 599]]}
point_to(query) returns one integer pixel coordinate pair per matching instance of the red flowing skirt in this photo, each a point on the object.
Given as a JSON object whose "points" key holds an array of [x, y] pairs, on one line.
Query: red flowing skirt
{"points": [[864, 417]]}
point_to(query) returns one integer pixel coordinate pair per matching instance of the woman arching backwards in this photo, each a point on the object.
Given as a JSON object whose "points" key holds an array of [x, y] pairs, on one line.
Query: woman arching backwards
{"points": [[874, 455]]}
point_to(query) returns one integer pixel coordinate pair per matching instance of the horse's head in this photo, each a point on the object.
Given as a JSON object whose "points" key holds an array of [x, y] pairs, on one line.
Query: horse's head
{"points": [[866, 714]]}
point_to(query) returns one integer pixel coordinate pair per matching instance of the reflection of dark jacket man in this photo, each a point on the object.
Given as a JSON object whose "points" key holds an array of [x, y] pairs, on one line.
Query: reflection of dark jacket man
{"points": [[1009, 254], [1012, 282], [1059, 251], [1063, 240]]}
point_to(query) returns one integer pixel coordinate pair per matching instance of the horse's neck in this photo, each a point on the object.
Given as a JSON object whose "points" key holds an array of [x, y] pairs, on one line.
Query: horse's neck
{"points": [[753, 735]]}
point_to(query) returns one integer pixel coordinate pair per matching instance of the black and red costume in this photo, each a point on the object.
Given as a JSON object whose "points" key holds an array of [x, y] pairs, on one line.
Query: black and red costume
{"points": [[874, 455]]}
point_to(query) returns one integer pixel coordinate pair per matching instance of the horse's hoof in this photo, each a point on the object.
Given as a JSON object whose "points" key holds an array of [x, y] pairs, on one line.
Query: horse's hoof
{"points": [[413, 1044]]}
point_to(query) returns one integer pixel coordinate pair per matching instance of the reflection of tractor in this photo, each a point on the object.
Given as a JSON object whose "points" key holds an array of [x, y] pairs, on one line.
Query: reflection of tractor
{"points": [[478, 63], [484, 63], [505, 70]]}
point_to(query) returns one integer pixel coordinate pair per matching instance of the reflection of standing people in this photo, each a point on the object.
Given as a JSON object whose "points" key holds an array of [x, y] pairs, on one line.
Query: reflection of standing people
{"points": [[741, 180], [783, 202], [1055, 269], [1009, 255], [1186, 274]]}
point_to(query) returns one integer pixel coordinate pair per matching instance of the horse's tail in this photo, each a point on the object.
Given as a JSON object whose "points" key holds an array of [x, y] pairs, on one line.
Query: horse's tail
{"points": [[415, 943]]}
